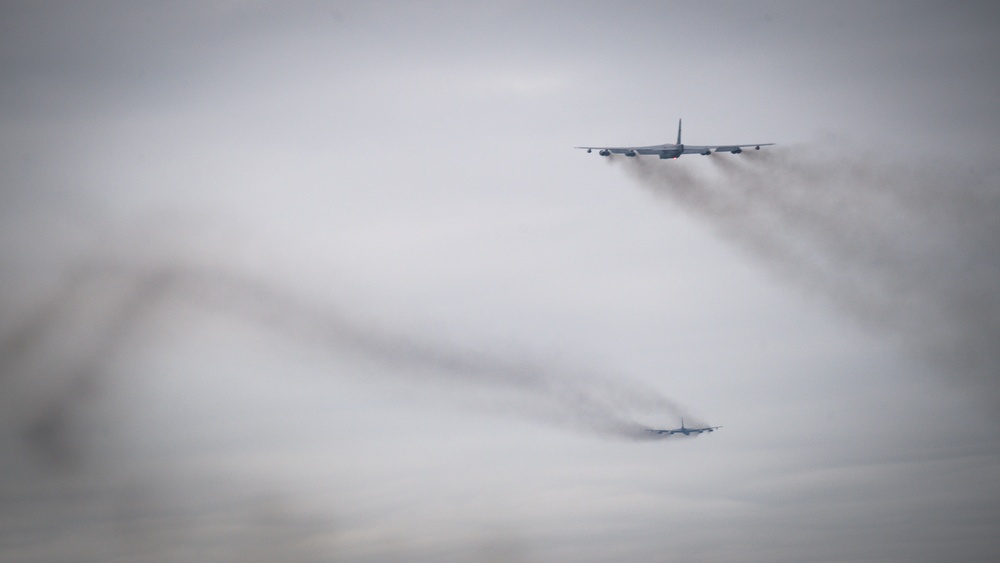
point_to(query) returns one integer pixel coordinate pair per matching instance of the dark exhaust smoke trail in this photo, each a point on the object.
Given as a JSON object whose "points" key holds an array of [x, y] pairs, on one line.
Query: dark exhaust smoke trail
{"points": [[56, 360], [908, 250], [108, 303]]}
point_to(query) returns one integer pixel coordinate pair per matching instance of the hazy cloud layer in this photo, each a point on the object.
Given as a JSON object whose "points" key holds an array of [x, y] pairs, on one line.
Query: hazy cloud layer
{"points": [[323, 281]]}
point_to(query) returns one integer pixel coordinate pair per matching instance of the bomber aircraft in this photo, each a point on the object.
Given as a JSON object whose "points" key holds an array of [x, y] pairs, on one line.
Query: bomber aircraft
{"points": [[669, 150], [683, 430]]}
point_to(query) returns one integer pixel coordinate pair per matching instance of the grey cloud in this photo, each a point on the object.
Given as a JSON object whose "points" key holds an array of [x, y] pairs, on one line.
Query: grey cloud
{"points": [[418, 157]]}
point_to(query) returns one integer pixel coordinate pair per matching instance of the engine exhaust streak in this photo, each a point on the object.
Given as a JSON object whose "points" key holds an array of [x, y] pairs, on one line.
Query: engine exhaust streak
{"points": [[908, 251], [109, 302]]}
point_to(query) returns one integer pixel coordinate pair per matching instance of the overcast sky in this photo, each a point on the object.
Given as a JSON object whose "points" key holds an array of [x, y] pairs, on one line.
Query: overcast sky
{"points": [[328, 281]]}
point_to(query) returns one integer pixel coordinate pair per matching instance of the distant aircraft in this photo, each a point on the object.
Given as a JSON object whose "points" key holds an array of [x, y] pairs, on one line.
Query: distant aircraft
{"points": [[673, 150], [683, 430]]}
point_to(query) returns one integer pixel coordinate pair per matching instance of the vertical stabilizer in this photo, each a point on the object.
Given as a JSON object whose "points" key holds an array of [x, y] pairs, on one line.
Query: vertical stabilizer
{"points": [[678, 131]]}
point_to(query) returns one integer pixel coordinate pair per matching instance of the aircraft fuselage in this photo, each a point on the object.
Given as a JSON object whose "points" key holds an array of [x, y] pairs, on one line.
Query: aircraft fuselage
{"points": [[672, 150]]}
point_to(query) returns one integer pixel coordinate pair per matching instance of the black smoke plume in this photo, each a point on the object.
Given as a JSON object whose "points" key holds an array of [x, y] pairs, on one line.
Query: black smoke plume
{"points": [[61, 350], [907, 249]]}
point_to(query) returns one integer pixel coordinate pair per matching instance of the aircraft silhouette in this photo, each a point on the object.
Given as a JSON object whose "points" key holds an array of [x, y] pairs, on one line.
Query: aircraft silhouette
{"points": [[673, 150], [684, 430]]}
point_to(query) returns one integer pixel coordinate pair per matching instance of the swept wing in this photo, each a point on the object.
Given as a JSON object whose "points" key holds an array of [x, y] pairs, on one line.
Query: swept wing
{"points": [[674, 150], [683, 430]]}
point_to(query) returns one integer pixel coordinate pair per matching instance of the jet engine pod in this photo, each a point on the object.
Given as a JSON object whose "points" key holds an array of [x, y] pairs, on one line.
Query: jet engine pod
{"points": [[604, 152], [737, 150], [630, 153]]}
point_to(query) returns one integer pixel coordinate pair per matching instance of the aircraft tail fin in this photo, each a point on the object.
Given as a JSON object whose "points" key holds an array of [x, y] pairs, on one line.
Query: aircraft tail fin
{"points": [[678, 131]]}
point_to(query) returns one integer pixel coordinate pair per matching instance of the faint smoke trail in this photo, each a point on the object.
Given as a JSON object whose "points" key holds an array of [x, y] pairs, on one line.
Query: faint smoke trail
{"points": [[97, 311], [908, 250]]}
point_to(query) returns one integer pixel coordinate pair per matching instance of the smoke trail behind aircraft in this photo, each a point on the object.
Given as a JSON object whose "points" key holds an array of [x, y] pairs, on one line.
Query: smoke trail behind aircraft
{"points": [[907, 250], [61, 349]]}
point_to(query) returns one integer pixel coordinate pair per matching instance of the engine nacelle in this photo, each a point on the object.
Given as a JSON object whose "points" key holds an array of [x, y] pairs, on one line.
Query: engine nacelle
{"points": [[630, 153], [604, 152], [737, 150], [706, 152]]}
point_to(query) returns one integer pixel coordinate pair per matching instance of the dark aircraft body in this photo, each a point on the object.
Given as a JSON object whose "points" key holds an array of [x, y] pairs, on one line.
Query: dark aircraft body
{"points": [[684, 430], [673, 150]]}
